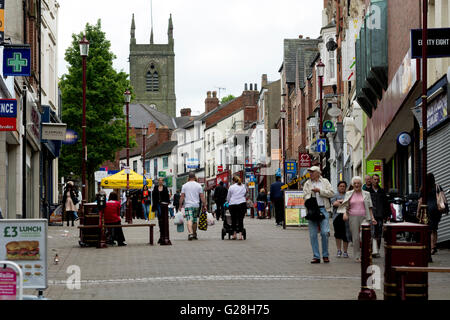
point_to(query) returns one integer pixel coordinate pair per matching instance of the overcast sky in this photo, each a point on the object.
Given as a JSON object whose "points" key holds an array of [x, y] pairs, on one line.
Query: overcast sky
{"points": [[218, 43]]}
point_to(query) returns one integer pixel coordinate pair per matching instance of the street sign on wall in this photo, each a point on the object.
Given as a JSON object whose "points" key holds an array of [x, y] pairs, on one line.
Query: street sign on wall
{"points": [[17, 60], [438, 43]]}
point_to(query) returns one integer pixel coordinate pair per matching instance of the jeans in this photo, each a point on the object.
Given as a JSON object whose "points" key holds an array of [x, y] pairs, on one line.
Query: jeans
{"points": [[146, 210], [324, 232]]}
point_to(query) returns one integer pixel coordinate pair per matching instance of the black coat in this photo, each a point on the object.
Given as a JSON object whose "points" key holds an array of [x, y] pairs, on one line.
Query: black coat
{"points": [[158, 197], [220, 194], [381, 208], [262, 196], [176, 199]]}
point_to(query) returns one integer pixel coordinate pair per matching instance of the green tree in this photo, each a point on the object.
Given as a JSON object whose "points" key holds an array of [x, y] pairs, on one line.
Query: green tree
{"points": [[105, 119], [227, 99]]}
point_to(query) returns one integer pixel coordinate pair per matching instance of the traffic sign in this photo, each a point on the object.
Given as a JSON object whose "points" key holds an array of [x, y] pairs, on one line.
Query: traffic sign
{"points": [[220, 168], [17, 60], [322, 145]]}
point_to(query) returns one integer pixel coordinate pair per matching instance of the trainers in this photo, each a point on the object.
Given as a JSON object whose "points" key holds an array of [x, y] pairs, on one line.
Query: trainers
{"points": [[190, 237], [345, 255], [339, 253], [195, 236]]}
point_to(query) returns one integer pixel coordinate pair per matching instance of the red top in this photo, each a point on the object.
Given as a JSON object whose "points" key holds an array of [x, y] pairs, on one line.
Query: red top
{"points": [[112, 212]]}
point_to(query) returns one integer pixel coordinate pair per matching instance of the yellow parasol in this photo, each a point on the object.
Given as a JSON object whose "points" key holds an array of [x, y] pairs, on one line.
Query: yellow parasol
{"points": [[119, 181]]}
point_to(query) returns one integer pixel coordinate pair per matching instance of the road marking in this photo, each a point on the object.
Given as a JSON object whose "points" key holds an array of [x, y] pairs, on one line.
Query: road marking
{"points": [[206, 278]]}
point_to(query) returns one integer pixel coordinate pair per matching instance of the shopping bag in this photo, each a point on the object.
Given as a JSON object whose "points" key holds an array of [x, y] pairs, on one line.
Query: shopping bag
{"points": [[203, 221], [179, 218], [180, 227], [210, 219], [151, 214]]}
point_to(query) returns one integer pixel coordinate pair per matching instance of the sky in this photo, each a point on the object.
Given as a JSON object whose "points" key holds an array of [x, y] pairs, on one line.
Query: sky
{"points": [[218, 43]]}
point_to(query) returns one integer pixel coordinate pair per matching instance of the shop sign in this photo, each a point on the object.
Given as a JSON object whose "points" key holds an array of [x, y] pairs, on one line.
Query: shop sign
{"points": [[438, 43], [404, 139], [162, 174], [437, 112], [222, 177], [304, 160], [25, 243], [375, 167], [291, 167], [210, 184], [8, 114], [193, 163], [71, 137], [17, 60], [54, 131], [328, 126]]}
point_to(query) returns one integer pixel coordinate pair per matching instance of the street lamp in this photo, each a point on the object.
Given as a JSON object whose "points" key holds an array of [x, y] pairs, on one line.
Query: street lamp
{"points": [[320, 73], [84, 51], [127, 99], [144, 133]]}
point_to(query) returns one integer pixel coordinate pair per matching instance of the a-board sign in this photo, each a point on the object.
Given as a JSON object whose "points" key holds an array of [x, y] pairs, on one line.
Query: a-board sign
{"points": [[25, 243], [295, 210]]}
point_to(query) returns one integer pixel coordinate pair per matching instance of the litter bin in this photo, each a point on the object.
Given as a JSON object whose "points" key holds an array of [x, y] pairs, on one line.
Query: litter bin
{"points": [[406, 245]]}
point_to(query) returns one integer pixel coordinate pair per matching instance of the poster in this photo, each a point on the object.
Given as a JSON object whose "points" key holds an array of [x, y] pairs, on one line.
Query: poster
{"points": [[295, 211], [375, 167], [25, 243]]}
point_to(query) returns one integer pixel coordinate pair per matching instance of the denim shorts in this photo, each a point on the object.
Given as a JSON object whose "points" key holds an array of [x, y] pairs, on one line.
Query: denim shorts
{"points": [[192, 214]]}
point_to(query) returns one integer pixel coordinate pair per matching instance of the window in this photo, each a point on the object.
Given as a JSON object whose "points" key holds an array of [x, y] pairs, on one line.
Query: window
{"points": [[147, 166], [135, 165], [209, 144], [152, 79], [331, 64], [155, 168], [165, 162], [213, 142]]}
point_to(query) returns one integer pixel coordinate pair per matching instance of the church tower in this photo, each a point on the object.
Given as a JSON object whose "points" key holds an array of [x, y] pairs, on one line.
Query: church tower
{"points": [[152, 71]]}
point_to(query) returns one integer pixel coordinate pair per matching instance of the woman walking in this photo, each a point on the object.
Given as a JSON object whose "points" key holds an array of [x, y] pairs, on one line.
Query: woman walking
{"points": [[146, 202], [341, 227], [238, 206], [70, 200], [356, 209], [112, 217], [160, 195], [262, 203], [434, 215]]}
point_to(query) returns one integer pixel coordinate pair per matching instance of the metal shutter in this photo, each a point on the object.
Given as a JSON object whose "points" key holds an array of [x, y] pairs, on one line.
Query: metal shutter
{"points": [[438, 158]]}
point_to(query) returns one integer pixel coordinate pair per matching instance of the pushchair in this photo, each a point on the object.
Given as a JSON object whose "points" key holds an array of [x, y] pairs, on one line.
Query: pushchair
{"points": [[226, 229]]}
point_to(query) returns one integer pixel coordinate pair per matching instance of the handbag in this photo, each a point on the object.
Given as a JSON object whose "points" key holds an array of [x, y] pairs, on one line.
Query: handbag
{"points": [[314, 213], [203, 221], [441, 200], [249, 204]]}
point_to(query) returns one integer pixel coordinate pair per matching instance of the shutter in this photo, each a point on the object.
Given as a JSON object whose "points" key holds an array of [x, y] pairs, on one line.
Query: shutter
{"points": [[438, 155]]}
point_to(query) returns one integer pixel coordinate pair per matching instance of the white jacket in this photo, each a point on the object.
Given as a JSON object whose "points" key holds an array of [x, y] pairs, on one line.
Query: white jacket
{"points": [[367, 203], [326, 192]]}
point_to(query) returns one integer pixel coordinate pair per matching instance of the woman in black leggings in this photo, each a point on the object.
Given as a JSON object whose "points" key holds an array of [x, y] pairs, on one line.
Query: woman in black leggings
{"points": [[238, 206]]}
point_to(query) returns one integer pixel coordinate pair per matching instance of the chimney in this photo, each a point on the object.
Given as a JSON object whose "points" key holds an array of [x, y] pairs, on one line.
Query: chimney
{"points": [[186, 112], [300, 36], [245, 87], [151, 128], [163, 135], [251, 86], [264, 80], [256, 87], [211, 103]]}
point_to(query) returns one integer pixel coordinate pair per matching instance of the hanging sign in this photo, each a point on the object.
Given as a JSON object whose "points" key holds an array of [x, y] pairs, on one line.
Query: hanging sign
{"points": [[8, 115], [17, 60], [328, 126], [438, 43]]}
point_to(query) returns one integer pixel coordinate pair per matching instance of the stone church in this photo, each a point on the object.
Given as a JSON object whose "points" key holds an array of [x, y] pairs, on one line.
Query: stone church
{"points": [[152, 72]]}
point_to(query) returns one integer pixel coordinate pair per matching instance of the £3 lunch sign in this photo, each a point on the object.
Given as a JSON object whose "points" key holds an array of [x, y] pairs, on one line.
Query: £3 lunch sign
{"points": [[25, 243]]}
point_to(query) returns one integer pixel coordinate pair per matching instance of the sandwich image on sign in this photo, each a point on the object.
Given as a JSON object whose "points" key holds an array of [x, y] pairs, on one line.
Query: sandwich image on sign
{"points": [[22, 250]]}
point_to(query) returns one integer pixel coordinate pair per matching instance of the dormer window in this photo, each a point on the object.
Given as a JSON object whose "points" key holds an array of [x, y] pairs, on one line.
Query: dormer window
{"points": [[152, 79]]}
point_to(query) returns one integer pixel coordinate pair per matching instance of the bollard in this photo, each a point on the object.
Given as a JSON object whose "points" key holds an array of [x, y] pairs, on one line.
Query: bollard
{"points": [[164, 231], [366, 292], [102, 240]]}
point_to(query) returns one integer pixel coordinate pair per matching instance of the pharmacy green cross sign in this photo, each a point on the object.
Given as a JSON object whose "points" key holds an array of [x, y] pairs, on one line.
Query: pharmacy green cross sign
{"points": [[17, 60]]}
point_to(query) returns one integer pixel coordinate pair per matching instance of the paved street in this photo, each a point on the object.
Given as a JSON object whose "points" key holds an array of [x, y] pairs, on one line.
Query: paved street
{"points": [[271, 264]]}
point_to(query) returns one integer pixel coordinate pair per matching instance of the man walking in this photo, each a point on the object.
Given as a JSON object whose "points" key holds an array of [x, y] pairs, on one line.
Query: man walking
{"points": [[220, 196], [176, 200], [381, 211], [368, 184], [191, 194], [276, 196], [321, 189]]}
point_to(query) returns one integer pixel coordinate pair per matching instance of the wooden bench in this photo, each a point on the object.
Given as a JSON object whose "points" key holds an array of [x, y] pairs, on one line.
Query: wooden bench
{"points": [[150, 225], [404, 270]]}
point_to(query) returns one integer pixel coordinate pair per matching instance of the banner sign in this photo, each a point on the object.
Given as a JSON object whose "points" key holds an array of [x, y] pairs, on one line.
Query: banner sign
{"points": [[25, 243], [17, 60], [2, 20], [8, 115], [438, 43]]}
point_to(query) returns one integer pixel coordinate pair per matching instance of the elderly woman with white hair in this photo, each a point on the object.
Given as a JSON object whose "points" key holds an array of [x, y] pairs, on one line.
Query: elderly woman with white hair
{"points": [[357, 208]]}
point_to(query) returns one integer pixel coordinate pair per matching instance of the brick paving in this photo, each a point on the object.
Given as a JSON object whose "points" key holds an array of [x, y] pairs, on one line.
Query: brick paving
{"points": [[271, 264]]}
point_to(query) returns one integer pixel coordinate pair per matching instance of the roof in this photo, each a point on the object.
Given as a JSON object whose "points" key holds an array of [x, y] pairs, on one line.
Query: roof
{"points": [[162, 149], [182, 121], [141, 115], [304, 57], [291, 48]]}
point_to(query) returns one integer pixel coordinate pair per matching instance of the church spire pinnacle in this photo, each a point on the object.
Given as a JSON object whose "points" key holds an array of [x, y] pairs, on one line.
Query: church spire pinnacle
{"points": [[170, 31], [151, 19], [133, 29]]}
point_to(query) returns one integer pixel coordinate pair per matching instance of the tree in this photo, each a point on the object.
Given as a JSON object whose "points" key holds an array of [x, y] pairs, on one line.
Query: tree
{"points": [[105, 119], [227, 99]]}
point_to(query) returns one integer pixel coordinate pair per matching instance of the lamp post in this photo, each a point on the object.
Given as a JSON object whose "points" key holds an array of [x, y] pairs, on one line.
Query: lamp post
{"points": [[127, 98], [144, 134], [84, 51], [283, 141], [320, 73]]}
